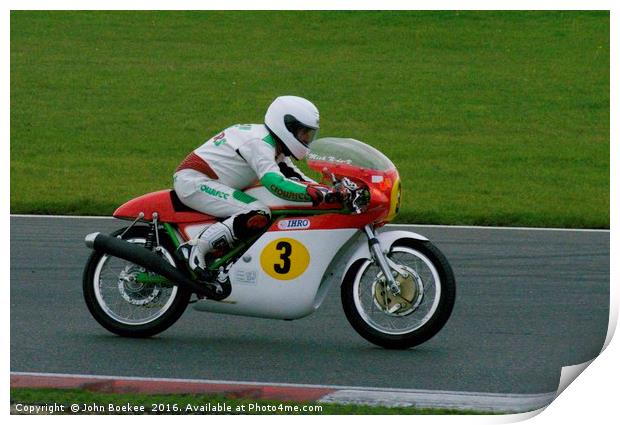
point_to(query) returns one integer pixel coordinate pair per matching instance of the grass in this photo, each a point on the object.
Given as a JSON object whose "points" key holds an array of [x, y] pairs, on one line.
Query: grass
{"points": [[492, 118], [197, 404]]}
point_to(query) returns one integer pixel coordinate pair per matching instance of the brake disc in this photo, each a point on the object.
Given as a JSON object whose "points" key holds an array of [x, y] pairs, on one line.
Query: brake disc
{"points": [[134, 292], [403, 303]]}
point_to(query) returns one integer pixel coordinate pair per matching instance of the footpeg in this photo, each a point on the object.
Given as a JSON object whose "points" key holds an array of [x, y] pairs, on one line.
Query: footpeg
{"points": [[184, 251], [217, 286]]}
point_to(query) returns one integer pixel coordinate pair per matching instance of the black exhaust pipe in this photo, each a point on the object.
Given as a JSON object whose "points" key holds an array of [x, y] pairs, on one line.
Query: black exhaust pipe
{"points": [[147, 259]]}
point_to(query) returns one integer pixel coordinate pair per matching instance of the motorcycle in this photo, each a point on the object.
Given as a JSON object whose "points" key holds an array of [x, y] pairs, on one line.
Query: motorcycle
{"points": [[397, 289]]}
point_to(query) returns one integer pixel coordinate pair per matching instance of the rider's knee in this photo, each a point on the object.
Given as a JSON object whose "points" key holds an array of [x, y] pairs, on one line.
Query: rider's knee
{"points": [[251, 223]]}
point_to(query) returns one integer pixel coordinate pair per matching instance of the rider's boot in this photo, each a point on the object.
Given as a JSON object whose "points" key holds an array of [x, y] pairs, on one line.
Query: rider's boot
{"points": [[217, 237]]}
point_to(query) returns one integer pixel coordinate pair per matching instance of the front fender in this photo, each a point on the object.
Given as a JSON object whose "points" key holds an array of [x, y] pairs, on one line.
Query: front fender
{"points": [[358, 247], [386, 239]]}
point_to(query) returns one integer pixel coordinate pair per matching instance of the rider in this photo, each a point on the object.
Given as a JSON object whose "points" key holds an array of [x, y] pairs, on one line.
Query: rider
{"points": [[212, 178]]}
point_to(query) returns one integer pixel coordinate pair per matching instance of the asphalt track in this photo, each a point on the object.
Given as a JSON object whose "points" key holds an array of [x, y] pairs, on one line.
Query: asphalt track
{"points": [[528, 303]]}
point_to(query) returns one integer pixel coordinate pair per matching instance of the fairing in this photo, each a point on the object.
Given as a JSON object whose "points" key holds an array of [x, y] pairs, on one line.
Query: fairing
{"points": [[162, 203]]}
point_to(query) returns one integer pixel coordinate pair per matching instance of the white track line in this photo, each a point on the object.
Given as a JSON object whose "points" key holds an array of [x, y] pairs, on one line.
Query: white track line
{"points": [[552, 229], [390, 397], [96, 217], [439, 226]]}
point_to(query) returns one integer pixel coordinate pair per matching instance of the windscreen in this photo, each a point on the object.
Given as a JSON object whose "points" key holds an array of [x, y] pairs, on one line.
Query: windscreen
{"points": [[348, 151]]}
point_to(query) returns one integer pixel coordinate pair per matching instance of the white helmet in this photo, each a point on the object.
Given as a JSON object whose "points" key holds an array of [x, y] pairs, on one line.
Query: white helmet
{"points": [[295, 121]]}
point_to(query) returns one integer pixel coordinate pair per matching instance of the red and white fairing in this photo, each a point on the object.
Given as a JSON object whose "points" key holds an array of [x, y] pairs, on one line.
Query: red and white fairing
{"points": [[288, 271]]}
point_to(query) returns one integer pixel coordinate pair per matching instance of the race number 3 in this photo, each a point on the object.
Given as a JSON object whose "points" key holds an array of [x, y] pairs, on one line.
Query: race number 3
{"points": [[287, 249], [284, 259]]}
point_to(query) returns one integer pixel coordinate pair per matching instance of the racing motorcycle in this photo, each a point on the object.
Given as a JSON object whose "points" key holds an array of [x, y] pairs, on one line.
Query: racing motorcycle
{"points": [[397, 289]]}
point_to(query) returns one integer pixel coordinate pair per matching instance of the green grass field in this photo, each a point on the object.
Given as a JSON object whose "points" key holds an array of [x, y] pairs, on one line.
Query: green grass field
{"points": [[493, 118]]}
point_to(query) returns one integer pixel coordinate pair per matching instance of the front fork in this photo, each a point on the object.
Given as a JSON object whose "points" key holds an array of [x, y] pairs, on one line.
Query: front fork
{"points": [[384, 263]]}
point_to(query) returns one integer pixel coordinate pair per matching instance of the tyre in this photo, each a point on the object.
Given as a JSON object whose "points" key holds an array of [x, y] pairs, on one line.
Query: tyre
{"points": [[417, 313], [120, 296]]}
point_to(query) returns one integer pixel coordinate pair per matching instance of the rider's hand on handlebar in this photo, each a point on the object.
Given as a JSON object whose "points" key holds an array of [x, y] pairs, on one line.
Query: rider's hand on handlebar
{"points": [[339, 193], [324, 195]]}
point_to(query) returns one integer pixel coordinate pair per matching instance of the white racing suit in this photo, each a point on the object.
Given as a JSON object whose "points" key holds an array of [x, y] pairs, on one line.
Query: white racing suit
{"points": [[211, 180]]}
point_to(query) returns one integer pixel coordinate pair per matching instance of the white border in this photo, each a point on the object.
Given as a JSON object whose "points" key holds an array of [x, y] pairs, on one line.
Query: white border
{"points": [[593, 399]]}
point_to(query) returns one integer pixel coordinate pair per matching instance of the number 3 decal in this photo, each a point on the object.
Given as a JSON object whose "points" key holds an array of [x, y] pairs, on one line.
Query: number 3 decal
{"points": [[284, 259]]}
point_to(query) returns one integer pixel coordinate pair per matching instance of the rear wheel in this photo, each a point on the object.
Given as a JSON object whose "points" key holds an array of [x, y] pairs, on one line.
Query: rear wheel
{"points": [[417, 313], [128, 300]]}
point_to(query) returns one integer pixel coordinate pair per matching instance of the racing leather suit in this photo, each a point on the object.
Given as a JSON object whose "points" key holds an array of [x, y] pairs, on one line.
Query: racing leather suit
{"points": [[212, 178]]}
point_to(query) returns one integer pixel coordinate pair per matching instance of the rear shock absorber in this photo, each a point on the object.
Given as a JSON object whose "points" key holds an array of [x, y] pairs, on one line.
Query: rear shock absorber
{"points": [[152, 237]]}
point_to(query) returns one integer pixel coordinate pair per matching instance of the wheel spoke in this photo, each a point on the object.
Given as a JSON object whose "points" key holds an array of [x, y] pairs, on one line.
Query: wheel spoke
{"points": [[406, 321], [127, 302]]}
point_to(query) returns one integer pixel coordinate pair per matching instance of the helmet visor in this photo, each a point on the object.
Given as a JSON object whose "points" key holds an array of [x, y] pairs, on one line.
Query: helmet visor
{"points": [[302, 132], [306, 135]]}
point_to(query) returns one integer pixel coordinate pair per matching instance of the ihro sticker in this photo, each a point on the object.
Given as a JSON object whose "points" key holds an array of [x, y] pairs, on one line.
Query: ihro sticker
{"points": [[294, 223]]}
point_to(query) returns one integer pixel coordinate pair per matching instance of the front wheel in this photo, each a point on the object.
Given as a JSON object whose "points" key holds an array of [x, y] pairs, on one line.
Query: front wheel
{"points": [[417, 313], [128, 300]]}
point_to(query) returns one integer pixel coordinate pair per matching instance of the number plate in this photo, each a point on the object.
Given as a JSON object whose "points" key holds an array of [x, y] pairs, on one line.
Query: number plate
{"points": [[285, 259]]}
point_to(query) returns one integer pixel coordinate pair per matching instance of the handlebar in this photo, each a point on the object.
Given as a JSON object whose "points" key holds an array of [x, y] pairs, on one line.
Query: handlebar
{"points": [[359, 196]]}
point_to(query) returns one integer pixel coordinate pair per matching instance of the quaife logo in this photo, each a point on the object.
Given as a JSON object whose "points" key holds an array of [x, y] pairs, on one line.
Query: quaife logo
{"points": [[291, 196], [213, 192], [294, 223]]}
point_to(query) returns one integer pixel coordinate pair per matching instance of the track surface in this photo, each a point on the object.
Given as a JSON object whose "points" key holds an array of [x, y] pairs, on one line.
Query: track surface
{"points": [[528, 303]]}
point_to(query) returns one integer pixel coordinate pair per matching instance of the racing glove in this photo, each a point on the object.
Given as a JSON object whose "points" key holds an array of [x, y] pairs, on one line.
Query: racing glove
{"points": [[324, 195]]}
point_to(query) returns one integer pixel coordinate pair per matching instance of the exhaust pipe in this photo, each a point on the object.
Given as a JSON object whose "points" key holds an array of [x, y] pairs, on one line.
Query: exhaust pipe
{"points": [[145, 258]]}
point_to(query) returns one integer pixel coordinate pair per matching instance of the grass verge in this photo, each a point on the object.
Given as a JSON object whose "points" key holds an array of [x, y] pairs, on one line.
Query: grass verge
{"points": [[26, 401], [492, 118]]}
